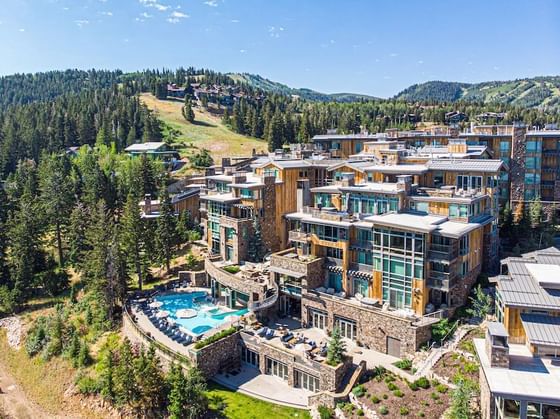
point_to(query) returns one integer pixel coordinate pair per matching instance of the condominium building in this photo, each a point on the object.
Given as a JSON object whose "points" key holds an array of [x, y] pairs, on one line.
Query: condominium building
{"points": [[520, 374]]}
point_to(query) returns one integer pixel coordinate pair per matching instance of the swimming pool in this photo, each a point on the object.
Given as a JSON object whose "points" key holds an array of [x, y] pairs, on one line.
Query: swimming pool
{"points": [[208, 315]]}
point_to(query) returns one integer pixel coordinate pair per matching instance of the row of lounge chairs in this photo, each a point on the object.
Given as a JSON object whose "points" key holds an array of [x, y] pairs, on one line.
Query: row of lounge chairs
{"points": [[265, 332], [170, 330]]}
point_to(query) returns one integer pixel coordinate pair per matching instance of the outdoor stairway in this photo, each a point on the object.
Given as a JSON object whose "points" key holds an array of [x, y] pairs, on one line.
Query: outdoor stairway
{"points": [[266, 303]]}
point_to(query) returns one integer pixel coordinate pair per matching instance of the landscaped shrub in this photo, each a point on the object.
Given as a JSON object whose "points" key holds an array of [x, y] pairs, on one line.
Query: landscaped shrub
{"points": [[441, 388], [392, 386], [413, 386], [434, 396], [325, 412], [385, 397], [359, 391], [383, 410], [232, 269], [378, 372], [375, 399], [398, 393], [87, 385], [404, 411], [470, 367], [360, 412], [423, 382], [421, 414], [403, 364], [441, 329], [389, 378], [214, 338]]}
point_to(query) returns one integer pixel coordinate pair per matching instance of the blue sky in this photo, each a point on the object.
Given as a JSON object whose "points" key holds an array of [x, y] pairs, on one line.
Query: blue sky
{"points": [[373, 47]]}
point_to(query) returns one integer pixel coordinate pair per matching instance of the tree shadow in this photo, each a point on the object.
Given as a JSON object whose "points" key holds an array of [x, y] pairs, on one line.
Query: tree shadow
{"points": [[204, 124]]}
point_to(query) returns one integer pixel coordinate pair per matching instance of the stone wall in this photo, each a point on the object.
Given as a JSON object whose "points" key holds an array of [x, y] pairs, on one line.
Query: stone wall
{"points": [[312, 269], [212, 358], [517, 168], [329, 377], [243, 228], [487, 404], [197, 278], [459, 295], [247, 287], [374, 326], [270, 220]]}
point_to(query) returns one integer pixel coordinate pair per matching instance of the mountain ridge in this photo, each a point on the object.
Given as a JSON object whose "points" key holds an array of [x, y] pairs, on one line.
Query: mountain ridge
{"points": [[534, 92]]}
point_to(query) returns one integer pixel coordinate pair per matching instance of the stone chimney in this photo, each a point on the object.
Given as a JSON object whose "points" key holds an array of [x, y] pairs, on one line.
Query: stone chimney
{"points": [[404, 183], [147, 204], [348, 179], [496, 344]]}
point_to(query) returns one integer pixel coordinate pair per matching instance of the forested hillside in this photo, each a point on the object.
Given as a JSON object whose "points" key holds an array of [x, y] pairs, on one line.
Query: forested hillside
{"points": [[529, 93], [270, 86]]}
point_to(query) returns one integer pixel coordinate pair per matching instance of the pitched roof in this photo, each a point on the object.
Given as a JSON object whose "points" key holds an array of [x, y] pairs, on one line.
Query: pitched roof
{"points": [[461, 165], [149, 146], [541, 329]]}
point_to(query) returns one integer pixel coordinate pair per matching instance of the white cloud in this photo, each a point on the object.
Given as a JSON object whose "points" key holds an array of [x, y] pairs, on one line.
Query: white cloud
{"points": [[211, 3], [496, 68], [22, 30], [146, 15], [65, 8], [155, 5], [234, 21], [175, 17], [107, 13], [242, 51], [81, 22], [393, 54], [420, 62], [274, 31]]}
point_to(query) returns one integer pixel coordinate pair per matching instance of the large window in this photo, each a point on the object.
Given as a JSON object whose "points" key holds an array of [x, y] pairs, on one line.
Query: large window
{"points": [[504, 146], [372, 204], [533, 162], [323, 200], [400, 257], [335, 281], [533, 146], [246, 193], [347, 327], [532, 178], [306, 381], [249, 357], [325, 232], [365, 257], [318, 319], [469, 182], [277, 368]]}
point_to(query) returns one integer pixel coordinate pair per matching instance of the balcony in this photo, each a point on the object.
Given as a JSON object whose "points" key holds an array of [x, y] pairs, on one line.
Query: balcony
{"points": [[442, 251], [443, 281], [367, 245], [362, 267], [299, 236]]}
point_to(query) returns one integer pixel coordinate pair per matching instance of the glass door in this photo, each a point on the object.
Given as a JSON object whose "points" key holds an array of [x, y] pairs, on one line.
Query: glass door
{"points": [[318, 320], [396, 298]]}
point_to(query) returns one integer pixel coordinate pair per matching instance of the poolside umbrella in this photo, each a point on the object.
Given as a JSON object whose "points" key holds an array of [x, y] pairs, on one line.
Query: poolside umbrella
{"points": [[171, 322], [304, 347], [156, 304], [162, 314]]}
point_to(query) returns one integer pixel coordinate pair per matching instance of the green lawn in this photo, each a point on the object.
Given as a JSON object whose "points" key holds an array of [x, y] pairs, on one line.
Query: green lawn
{"points": [[207, 131], [239, 406]]}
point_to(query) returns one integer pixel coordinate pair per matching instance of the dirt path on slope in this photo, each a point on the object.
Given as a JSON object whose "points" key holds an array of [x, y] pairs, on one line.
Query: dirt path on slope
{"points": [[14, 403]]}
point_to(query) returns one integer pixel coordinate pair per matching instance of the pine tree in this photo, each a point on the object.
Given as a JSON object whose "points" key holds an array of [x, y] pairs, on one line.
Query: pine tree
{"points": [[481, 304], [107, 387], [188, 112], [336, 349], [275, 132], [56, 196], [126, 390], [461, 399], [165, 236], [77, 242], [149, 377], [133, 235], [184, 226]]}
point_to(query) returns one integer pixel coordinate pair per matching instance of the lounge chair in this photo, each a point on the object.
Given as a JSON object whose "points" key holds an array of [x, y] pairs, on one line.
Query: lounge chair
{"points": [[269, 334], [262, 331], [288, 336]]}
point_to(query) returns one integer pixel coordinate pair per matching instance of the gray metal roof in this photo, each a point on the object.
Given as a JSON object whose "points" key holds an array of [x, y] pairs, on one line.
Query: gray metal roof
{"points": [[520, 289], [497, 329], [541, 329], [461, 165]]}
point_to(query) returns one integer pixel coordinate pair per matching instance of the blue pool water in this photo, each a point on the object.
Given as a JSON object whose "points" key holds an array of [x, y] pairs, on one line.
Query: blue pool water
{"points": [[209, 315]]}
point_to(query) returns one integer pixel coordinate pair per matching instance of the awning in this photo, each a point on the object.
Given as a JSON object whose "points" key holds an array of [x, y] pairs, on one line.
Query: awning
{"points": [[283, 271], [541, 329]]}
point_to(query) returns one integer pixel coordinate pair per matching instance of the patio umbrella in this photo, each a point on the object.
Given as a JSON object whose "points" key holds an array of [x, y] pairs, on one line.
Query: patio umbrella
{"points": [[162, 314], [156, 304], [304, 347]]}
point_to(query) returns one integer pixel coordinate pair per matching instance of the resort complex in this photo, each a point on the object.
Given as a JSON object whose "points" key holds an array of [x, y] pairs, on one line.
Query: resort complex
{"points": [[376, 238]]}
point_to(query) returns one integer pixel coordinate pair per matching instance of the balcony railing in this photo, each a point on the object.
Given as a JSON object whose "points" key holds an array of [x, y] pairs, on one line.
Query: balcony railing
{"points": [[298, 236], [443, 281], [442, 251]]}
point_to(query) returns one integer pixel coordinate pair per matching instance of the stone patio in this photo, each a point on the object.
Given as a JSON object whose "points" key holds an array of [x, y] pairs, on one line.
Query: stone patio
{"points": [[265, 387]]}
